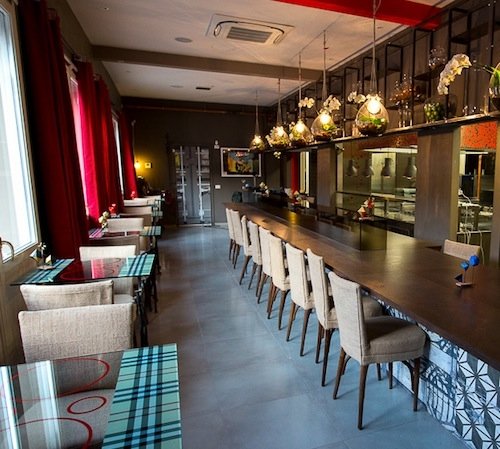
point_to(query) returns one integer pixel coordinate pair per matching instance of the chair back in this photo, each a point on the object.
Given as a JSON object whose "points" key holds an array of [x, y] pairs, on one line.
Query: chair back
{"points": [[44, 297], [350, 317], [76, 331], [299, 286], [461, 250], [148, 218], [255, 241], [137, 210], [264, 249], [236, 219], [136, 202], [121, 286], [247, 248], [124, 240], [229, 223], [319, 287], [126, 224], [278, 270]]}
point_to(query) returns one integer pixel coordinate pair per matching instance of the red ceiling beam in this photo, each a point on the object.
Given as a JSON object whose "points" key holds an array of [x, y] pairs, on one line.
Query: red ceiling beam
{"points": [[404, 12]]}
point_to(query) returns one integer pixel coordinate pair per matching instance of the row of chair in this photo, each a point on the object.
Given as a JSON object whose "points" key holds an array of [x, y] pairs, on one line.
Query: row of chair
{"points": [[366, 335]]}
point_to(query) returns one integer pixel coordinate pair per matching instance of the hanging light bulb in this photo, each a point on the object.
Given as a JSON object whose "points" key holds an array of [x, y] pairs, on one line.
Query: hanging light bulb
{"points": [[387, 168], [278, 137], [368, 170], [323, 128], [411, 169], [372, 118], [257, 143], [300, 135]]}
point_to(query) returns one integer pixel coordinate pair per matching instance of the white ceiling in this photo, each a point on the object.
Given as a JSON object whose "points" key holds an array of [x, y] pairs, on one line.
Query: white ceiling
{"points": [[154, 25]]}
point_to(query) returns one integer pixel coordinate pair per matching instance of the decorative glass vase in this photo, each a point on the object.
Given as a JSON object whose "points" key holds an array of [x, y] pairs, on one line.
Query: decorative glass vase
{"points": [[278, 138], [372, 118], [300, 135], [324, 128], [257, 144], [494, 88], [433, 110]]}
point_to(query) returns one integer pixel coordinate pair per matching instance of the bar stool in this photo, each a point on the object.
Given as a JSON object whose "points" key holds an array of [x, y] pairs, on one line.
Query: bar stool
{"points": [[382, 339], [266, 260], [256, 252], [279, 276], [299, 290], [325, 310]]}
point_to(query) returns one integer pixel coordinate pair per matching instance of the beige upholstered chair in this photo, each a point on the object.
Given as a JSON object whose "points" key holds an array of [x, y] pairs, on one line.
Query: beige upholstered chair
{"points": [[125, 224], [253, 230], [247, 246], [231, 232], [123, 240], [325, 310], [76, 331], [123, 288], [299, 290], [137, 210], [461, 250], [238, 235], [43, 297], [381, 339], [148, 218], [266, 260], [279, 275], [136, 202]]}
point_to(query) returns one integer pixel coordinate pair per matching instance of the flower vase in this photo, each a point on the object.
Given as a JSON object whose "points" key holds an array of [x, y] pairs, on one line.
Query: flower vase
{"points": [[324, 127], [300, 135], [433, 110], [494, 87], [372, 118]]}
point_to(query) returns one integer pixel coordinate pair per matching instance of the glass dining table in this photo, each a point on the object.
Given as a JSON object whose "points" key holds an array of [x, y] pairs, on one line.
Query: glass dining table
{"points": [[71, 271], [112, 400]]}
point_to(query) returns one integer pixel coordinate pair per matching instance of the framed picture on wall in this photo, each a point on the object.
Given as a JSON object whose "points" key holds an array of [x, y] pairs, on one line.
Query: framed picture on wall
{"points": [[239, 162]]}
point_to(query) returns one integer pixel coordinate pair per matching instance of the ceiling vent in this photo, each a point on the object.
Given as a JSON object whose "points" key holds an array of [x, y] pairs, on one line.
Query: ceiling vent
{"points": [[247, 30]]}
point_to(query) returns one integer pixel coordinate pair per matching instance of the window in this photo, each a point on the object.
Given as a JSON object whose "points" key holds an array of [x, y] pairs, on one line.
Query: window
{"points": [[116, 130], [17, 219]]}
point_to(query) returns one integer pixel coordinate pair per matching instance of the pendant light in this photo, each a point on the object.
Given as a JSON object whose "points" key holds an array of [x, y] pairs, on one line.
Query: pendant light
{"points": [[372, 118], [278, 137], [351, 168], [257, 143], [300, 135], [411, 169], [387, 168], [368, 169], [323, 128]]}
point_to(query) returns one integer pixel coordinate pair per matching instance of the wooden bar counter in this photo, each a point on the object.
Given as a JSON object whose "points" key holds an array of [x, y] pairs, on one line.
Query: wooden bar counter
{"points": [[409, 275]]}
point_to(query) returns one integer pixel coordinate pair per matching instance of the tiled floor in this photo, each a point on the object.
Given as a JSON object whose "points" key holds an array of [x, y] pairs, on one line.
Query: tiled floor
{"points": [[244, 387]]}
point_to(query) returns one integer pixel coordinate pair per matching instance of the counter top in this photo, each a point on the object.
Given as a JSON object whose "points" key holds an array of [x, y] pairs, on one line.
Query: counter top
{"points": [[409, 275]]}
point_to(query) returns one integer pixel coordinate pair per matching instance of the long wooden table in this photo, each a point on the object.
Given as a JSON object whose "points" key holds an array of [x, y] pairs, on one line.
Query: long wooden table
{"points": [[409, 275]]}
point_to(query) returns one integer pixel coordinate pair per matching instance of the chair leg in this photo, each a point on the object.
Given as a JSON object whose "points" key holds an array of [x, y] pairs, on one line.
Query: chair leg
{"points": [[290, 320], [328, 339], [273, 291], [236, 254], [415, 382], [363, 370], [262, 282], [390, 375], [244, 267], [282, 307], [307, 314], [231, 248], [318, 341], [254, 269], [379, 373], [340, 369]]}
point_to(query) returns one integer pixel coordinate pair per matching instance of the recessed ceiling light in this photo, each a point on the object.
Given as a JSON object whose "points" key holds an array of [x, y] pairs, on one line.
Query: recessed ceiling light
{"points": [[106, 8], [184, 40]]}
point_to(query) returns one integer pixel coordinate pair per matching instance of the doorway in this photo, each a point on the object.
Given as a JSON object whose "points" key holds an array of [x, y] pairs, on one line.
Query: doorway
{"points": [[192, 170]]}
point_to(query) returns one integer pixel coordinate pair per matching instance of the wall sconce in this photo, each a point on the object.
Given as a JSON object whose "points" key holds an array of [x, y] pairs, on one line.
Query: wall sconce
{"points": [[411, 169], [387, 169], [137, 165], [368, 170]]}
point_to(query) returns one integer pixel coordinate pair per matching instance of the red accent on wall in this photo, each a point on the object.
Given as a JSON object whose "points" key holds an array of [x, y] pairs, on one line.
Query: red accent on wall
{"points": [[479, 135], [294, 172], [405, 12]]}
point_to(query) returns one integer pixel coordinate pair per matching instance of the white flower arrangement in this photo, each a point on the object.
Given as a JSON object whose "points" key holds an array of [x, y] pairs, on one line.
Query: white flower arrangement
{"points": [[355, 98], [453, 68], [330, 104]]}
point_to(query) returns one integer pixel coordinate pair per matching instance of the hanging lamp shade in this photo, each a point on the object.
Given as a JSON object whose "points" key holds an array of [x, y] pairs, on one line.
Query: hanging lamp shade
{"points": [[368, 169], [257, 143], [411, 169], [300, 135], [387, 168], [278, 137], [372, 118], [351, 168]]}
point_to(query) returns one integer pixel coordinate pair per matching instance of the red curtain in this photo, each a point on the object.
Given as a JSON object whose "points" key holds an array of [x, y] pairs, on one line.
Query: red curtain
{"points": [[108, 146], [127, 154], [59, 190]]}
